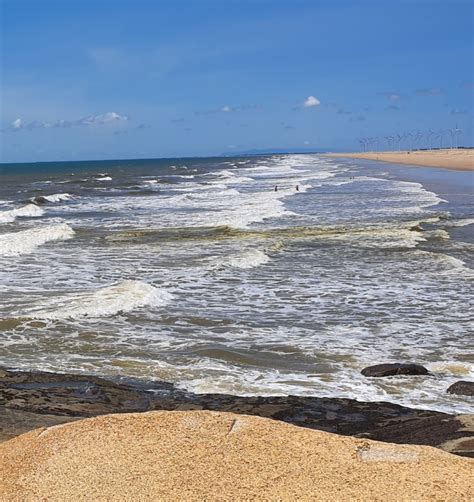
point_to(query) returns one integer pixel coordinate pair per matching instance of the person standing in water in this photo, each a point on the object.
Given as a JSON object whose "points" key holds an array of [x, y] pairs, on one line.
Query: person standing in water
{"points": [[276, 188], [297, 188]]}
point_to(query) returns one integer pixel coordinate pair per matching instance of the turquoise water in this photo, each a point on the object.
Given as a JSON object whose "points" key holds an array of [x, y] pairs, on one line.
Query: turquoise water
{"points": [[198, 272]]}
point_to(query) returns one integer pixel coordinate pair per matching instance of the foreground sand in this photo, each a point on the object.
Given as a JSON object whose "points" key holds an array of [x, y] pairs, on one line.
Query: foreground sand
{"points": [[462, 160], [198, 455]]}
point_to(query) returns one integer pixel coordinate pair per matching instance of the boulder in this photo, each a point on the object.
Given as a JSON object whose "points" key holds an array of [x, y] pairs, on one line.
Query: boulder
{"points": [[390, 369], [462, 387]]}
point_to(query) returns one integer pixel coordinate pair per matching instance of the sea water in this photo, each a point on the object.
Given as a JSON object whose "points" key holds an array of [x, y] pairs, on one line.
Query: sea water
{"points": [[267, 275]]}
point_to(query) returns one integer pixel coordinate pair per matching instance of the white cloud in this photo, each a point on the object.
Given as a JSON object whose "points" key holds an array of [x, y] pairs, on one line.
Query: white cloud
{"points": [[226, 109], [17, 124], [91, 120], [391, 96], [36, 124], [63, 123], [104, 118], [311, 101]]}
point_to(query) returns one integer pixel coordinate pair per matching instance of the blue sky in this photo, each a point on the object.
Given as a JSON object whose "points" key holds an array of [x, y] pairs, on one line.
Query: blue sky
{"points": [[130, 79]]}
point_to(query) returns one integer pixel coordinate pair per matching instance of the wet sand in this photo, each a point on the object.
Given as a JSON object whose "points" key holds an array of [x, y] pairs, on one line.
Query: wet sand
{"points": [[457, 159], [198, 455]]}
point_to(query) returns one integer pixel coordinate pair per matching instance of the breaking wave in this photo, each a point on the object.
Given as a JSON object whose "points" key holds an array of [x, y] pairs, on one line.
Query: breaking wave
{"points": [[57, 197], [122, 297], [462, 222], [248, 259], [30, 210], [26, 241]]}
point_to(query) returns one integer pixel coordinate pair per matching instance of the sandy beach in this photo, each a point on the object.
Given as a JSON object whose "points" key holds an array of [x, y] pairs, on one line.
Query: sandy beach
{"points": [[457, 159], [198, 455]]}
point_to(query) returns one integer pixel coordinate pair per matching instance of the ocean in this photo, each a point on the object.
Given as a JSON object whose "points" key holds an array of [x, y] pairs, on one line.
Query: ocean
{"points": [[265, 275]]}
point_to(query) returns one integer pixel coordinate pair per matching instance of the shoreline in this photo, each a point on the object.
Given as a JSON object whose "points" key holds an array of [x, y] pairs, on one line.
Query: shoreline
{"points": [[32, 399], [453, 159], [79, 436]]}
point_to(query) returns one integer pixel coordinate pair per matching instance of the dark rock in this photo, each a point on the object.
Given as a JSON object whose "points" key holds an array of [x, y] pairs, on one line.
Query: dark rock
{"points": [[29, 400], [462, 387], [39, 200], [389, 369]]}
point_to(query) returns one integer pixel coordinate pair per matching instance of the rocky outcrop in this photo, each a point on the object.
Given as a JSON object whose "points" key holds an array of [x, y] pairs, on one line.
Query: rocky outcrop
{"points": [[462, 387], [391, 369], [36, 399], [220, 456]]}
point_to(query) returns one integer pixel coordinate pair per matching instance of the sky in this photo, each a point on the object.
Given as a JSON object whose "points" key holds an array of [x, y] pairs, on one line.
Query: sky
{"points": [[103, 79]]}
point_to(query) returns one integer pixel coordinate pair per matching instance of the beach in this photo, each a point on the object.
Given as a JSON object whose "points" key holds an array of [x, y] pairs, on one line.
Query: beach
{"points": [[198, 455], [457, 159], [193, 293]]}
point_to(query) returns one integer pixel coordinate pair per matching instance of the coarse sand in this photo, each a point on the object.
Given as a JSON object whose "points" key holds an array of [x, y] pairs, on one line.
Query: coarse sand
{"points": [[202, 455]]}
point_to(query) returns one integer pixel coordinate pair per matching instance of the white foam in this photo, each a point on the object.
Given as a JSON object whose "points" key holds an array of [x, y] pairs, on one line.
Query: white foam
{"points": [[384, 237], [447, 264], [462, 222], [236, 198], [230, 177], [122, 297], [104, 178], [26, 241], [248, 259], [452, 367], [30, 210], [57, 197]]}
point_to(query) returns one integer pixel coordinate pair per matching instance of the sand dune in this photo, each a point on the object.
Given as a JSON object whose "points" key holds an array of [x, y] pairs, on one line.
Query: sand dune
{"points": [[458, 159], [220, 456]]}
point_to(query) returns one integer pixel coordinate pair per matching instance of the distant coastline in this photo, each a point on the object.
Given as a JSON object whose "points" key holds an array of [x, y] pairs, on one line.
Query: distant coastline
{"points": [[457, 159]]}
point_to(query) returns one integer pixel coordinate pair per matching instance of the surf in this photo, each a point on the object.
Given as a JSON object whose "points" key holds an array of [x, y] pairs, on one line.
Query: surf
{"points": [[122, 297], [27, 241]]}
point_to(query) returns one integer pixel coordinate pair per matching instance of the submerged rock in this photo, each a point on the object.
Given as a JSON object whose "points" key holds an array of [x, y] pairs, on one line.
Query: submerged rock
{"points": [[390, 369], [462, 387]]}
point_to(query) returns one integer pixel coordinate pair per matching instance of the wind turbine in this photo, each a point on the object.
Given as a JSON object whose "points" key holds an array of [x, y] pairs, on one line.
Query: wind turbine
{"points": [[361, 143], [440, 136], [457, 133], [452, 134], [429, 137], [404, 137], [375, 141], [418, 138], [399, 139], [410, 138]]}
